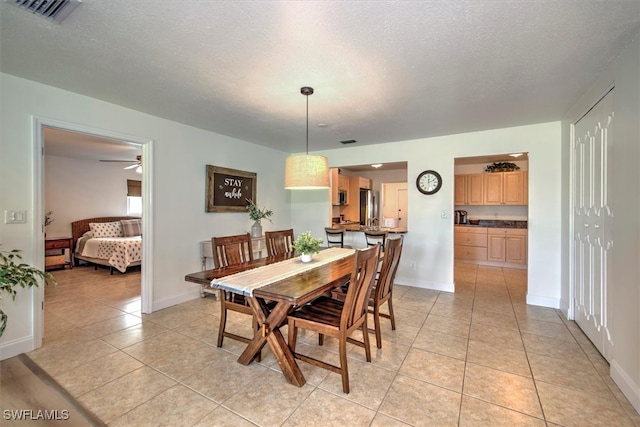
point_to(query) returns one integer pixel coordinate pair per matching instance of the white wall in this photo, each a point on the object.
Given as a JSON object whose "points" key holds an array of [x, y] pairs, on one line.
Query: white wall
{"points": [[624, 290], [429, 241], [180, 156], [78, 188]]}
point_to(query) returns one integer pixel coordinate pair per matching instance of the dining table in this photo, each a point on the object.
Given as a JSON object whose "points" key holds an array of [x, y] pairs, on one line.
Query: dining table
{"points": [[289, 283]]}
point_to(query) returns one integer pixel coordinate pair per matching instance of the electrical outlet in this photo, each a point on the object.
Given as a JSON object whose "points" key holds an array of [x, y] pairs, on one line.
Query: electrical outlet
{"points": [[412, 265], [443, 214]]}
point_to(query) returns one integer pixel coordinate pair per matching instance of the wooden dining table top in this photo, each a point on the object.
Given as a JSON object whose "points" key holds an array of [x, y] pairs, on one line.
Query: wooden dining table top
{"points": [[295, 290]]}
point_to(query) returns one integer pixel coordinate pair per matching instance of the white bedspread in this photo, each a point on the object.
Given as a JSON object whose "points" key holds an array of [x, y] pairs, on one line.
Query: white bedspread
{"points": [[119, 252]]}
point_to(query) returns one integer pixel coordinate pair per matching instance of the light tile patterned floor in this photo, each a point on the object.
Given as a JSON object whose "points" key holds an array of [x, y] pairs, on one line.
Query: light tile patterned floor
{"points": [[479, 357]]}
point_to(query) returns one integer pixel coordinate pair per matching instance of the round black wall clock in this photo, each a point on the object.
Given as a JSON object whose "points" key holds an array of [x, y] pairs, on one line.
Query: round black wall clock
{"points": [[429, 182]]}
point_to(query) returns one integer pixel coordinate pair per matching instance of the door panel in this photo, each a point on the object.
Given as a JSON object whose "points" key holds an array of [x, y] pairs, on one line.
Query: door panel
{"points": [[592, 218]]}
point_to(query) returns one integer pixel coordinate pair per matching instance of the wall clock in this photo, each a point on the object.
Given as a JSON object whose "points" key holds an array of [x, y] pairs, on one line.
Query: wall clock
{"points": [[429, 182]]}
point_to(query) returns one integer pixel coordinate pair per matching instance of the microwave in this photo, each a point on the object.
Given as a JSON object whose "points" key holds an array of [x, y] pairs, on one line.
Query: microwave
{"points": [[342, 197]]}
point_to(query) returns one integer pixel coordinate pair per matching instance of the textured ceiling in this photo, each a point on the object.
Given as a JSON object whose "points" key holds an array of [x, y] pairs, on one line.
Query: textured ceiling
{"points": [[382, 70]]}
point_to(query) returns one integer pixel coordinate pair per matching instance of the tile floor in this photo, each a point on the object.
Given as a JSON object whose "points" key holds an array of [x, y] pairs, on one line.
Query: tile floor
{"points": [[479, 357]]}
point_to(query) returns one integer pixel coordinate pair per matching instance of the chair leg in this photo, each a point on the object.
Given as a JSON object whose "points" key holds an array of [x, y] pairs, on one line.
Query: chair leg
{"points": [[365, 339], [320, 339], [344, 370], [391, 316], [223, 319], [376, 323]]}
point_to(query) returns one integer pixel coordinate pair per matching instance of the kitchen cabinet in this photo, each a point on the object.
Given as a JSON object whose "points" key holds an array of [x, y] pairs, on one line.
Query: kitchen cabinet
{"points": [[470, 243], [507, 245], [364, 183], [469, 189], [505, 188], [338, 182]]}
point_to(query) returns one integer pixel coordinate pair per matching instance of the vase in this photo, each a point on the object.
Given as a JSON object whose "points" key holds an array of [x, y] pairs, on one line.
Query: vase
{"points": [[256, 229], [306, 257]]}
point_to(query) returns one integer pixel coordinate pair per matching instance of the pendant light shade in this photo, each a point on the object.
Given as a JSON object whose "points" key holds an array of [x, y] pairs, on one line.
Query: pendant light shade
{"points": [[305, 172]]}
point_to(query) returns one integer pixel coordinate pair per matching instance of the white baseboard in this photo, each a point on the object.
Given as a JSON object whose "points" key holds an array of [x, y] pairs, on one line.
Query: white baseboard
{"points": [[176, 299], [424, 284], [543, 301], [629, 388], [15, 347]]}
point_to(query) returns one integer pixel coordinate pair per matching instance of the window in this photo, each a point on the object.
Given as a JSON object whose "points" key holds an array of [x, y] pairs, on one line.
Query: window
{"points": [[134, 197], [134, 205]]}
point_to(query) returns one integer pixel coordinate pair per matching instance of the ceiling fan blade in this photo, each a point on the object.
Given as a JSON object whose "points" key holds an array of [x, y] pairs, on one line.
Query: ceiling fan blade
{"points": [[133, 166], [120, 161]]}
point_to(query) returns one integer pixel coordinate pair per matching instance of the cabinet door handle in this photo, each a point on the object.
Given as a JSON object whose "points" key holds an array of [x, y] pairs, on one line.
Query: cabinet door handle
{"points": [[586, 226], [596, 226]]}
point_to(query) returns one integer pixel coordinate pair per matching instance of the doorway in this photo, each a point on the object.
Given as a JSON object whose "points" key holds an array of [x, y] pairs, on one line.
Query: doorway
{"points": [[146, 146]]}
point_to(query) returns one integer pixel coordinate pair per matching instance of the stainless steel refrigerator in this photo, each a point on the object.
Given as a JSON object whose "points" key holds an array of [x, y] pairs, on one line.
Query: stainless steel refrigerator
{"points": [[369, 207]]}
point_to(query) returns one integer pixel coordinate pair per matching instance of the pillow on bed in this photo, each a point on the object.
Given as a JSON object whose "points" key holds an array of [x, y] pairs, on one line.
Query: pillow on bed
{"points": [[131, 227], [106, 229], [88, 234]]}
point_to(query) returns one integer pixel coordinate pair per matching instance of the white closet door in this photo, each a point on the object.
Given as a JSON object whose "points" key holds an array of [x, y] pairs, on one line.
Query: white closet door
{"points": [[593, 220]]}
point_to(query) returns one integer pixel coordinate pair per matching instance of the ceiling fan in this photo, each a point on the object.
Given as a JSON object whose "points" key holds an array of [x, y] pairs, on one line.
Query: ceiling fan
{"points": [[137, 163]]}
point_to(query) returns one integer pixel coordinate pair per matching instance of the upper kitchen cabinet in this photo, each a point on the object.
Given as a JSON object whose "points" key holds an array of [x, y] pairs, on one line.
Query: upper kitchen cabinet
{"points": [[364, 183], [505, 188], [469, 189], [339, 183]]}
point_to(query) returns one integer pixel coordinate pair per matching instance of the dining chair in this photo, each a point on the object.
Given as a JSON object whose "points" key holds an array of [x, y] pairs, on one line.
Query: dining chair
{"points": [[279, 242], [372, 237], [335, 237], [382, 291], [227, 251], [339, 319]]}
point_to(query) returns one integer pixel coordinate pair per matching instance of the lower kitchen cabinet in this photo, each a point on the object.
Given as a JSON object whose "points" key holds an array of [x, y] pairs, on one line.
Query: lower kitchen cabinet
{"points": [[507, 245], [491, 246]]}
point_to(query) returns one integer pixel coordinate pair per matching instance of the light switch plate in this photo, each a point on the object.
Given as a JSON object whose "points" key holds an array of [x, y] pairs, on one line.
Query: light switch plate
{"points": [[15, 217]]}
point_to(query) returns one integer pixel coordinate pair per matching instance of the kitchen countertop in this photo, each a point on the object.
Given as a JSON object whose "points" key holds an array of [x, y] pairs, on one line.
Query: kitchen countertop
{"points": [[497, 223], [355, 226]]}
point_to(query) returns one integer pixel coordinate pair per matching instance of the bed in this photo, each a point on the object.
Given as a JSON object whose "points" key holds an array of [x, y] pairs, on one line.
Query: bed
{"points": [[112, 241]]}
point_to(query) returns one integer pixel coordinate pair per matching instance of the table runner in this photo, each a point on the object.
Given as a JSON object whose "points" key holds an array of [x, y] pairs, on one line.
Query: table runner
{"points": [[246, 281]]}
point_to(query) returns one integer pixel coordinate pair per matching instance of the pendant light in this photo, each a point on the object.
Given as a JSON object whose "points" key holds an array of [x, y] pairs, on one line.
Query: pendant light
{"points": [[302, 171]]}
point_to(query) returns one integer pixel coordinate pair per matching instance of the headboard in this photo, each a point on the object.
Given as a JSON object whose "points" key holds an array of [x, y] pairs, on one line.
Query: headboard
{"points": [[78, 228]]}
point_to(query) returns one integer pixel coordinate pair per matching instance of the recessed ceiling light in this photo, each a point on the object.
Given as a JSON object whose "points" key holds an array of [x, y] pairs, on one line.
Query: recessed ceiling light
{"points": [[322, 125], [516, 154], [377, 165]]}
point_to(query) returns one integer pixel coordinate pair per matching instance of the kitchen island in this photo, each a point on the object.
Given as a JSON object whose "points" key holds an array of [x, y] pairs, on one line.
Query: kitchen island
{"points": [[354, 235]]}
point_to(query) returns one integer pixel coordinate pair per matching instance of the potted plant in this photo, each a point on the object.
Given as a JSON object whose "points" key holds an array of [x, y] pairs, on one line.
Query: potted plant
{"points": [[14, 274], [256, 214], [307, 245]]}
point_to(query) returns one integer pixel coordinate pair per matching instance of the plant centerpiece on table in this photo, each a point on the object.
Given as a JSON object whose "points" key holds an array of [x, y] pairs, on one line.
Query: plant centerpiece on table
{"points": [[501, 167], [256, 214], [48, 219], [307, 245], [14, 274]]}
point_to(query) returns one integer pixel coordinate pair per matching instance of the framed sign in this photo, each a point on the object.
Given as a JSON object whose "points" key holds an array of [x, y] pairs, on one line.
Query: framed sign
{"points": [[229, 189]]}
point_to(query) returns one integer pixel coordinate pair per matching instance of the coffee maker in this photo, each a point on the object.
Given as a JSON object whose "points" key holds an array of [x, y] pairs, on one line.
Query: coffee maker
{"points": [[460, 217]]}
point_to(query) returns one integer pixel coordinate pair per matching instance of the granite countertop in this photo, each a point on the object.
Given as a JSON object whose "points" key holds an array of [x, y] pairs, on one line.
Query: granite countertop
{"points": [[355, 226], [497, 223]]}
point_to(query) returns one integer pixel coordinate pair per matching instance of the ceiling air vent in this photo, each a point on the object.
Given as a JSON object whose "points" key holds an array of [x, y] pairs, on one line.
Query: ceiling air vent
{"points": [[53, 10], [348, 141]]}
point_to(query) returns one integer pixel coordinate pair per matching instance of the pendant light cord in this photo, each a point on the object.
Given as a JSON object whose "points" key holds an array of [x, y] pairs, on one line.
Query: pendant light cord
{"points": [[307, 96]]}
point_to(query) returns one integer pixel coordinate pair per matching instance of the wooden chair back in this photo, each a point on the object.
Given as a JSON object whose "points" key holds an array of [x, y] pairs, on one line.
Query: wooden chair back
{"points": [[279, 242], [231, 250], [373, 237], [335, 237], [389, 268], [362, 279]]}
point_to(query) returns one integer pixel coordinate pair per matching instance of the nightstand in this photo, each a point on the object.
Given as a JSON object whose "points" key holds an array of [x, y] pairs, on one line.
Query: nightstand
{"points": [[59, 259]]}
